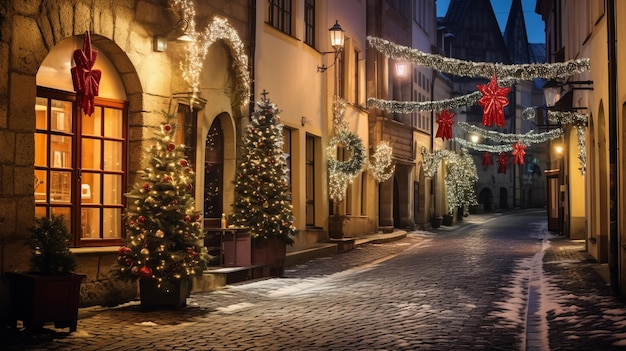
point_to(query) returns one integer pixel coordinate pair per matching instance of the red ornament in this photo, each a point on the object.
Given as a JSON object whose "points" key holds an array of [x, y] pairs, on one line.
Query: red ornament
{"points": [[145, 272], [141, 219], [146, 186], [493, 101], [519, 151], [445, 122], [167, 127], [86, 79], [128, 262], [123, 250], [487, 159], [187, 218], [171, 146], [184, 163], [503, 161], [167, 179]]}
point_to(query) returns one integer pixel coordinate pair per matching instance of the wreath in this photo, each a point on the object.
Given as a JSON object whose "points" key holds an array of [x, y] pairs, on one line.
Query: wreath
{"points": [[354, 145]]}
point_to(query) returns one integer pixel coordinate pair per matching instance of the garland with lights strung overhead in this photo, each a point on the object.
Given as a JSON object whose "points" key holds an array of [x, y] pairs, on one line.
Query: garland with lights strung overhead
{"points": [[195, 52], [380, 162], [483, 147], [478, 69], [526, 139]]}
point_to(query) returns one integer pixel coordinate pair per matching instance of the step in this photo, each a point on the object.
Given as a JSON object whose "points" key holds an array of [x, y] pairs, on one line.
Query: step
{"points": [[217, 277]]}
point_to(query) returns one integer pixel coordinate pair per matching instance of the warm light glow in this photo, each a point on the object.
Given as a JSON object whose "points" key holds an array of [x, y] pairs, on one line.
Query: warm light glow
{"points": [[337, 36], [474, 138], [401, 69], [558, 149]]}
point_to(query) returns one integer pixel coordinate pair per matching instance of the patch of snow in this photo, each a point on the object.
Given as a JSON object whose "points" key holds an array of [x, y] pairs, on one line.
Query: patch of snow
{"points": [[234, 308], [147, 324]]}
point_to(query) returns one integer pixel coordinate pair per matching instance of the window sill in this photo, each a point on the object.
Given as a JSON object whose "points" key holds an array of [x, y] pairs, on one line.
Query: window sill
{"points": [[94, 250]]}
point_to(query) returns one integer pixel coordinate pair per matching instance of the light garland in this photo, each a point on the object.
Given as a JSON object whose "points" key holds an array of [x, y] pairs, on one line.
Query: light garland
{"points": [[339, 109], [196, 51], [526, 139], [461, 175], [582, 155], [478, 69], [380, 163], [483, 147], [446, 104]]}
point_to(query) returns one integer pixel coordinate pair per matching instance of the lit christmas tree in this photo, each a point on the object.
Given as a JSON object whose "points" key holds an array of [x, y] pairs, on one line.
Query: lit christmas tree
{"points": [[163, 229], [262, 193]]}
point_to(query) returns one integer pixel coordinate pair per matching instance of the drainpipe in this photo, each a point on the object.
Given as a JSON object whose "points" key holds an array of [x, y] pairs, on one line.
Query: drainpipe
{"points": [[252, 33], [613, 166]]}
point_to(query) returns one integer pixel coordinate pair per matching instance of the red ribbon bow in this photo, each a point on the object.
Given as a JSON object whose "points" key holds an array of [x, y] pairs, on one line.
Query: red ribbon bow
{"points": [[487, 159], [445, 122], [519, 151], [493, 101], [503, 161], [86, 79]]}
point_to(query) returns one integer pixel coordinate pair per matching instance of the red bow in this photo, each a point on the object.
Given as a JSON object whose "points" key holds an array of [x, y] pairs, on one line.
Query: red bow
{"points": [[487, 159], [503, 161], [519, 151], [445, 122], [86, 80], [493, 101]]}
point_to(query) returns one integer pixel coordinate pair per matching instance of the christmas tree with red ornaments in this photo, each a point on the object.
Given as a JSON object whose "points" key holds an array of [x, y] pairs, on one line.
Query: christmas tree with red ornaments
{"points": [[163, 228], [262, 186]]}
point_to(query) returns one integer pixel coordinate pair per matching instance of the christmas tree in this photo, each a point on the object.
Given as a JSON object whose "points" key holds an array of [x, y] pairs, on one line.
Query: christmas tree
{"points": [[262, 193], [163, 229]]}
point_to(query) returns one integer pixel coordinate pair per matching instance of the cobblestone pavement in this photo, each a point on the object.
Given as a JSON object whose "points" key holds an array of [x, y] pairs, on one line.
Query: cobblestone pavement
{"points": [[464, 287]]}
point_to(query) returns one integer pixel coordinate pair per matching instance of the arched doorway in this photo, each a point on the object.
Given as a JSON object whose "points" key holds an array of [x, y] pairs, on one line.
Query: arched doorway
{"points": [[504, 197], [214, 171], [486, 199]]}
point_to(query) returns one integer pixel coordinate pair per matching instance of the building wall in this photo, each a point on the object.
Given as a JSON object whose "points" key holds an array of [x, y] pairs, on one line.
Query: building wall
{"points": [[124, 33]]}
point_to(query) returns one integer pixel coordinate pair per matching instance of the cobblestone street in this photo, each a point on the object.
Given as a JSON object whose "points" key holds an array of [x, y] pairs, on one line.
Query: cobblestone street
{"points": [[493, 282]]}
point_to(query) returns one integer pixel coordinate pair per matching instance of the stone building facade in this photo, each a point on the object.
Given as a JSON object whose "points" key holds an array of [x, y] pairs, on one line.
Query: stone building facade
{"points": [[92, 160]]}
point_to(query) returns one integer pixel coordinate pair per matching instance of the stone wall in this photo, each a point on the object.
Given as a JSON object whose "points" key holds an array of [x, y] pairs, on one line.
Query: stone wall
{"points": [[123, 30]]}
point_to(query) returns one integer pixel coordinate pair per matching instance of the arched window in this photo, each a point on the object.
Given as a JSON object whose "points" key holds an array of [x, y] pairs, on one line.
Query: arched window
{"points": [[214, 171], [80, 160]]}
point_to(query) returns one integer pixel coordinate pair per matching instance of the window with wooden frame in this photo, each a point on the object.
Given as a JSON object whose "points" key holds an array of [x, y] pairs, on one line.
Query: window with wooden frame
{"points": [[81, 165], [309, 22]]}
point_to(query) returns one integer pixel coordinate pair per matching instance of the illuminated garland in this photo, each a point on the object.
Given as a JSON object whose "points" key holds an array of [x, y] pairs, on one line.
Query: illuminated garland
{"points": [[483, 147], [341, 173], [478, 69], [525, 139], [196, 52], [380, 163], [446, 104], [461, 175], [578, 120]]}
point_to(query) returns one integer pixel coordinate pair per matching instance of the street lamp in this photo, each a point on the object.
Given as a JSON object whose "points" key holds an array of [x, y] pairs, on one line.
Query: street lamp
{"points": [[337, 38], [552, 92], [401, 69]]}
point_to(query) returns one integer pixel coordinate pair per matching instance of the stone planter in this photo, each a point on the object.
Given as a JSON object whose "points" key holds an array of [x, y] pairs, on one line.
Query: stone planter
{"points": [[154, 298], [37, 299], [335, 227], [447, 220]]}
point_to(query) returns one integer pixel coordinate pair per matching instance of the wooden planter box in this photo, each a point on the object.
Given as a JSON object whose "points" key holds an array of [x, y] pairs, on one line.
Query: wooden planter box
{"points": [[37, 299], [154, 298], [270, 253]]}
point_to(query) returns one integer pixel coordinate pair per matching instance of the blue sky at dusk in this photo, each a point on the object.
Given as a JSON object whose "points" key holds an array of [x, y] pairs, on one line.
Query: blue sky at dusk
{"points": [[534, 25]]}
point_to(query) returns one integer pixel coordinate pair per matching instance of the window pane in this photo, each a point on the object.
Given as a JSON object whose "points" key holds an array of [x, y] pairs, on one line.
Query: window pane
{"points": [[112, 156], [90, 223], [60, 188], [60, 151], [61, 116], [92, 125], [41, 149], [41, 115], [91, 152], [113, 125], [112, 189], [90, 188], [112, 223], [40, 211], [40, 186]]}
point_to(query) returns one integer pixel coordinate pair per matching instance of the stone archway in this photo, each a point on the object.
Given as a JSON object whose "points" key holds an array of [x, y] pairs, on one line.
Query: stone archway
{"points": [[485, 198]]}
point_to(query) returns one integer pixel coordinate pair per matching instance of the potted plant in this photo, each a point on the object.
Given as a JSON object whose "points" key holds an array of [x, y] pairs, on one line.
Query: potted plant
{"points": [[163, 229], [50, 291], [448, 219], [262, 190]]}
